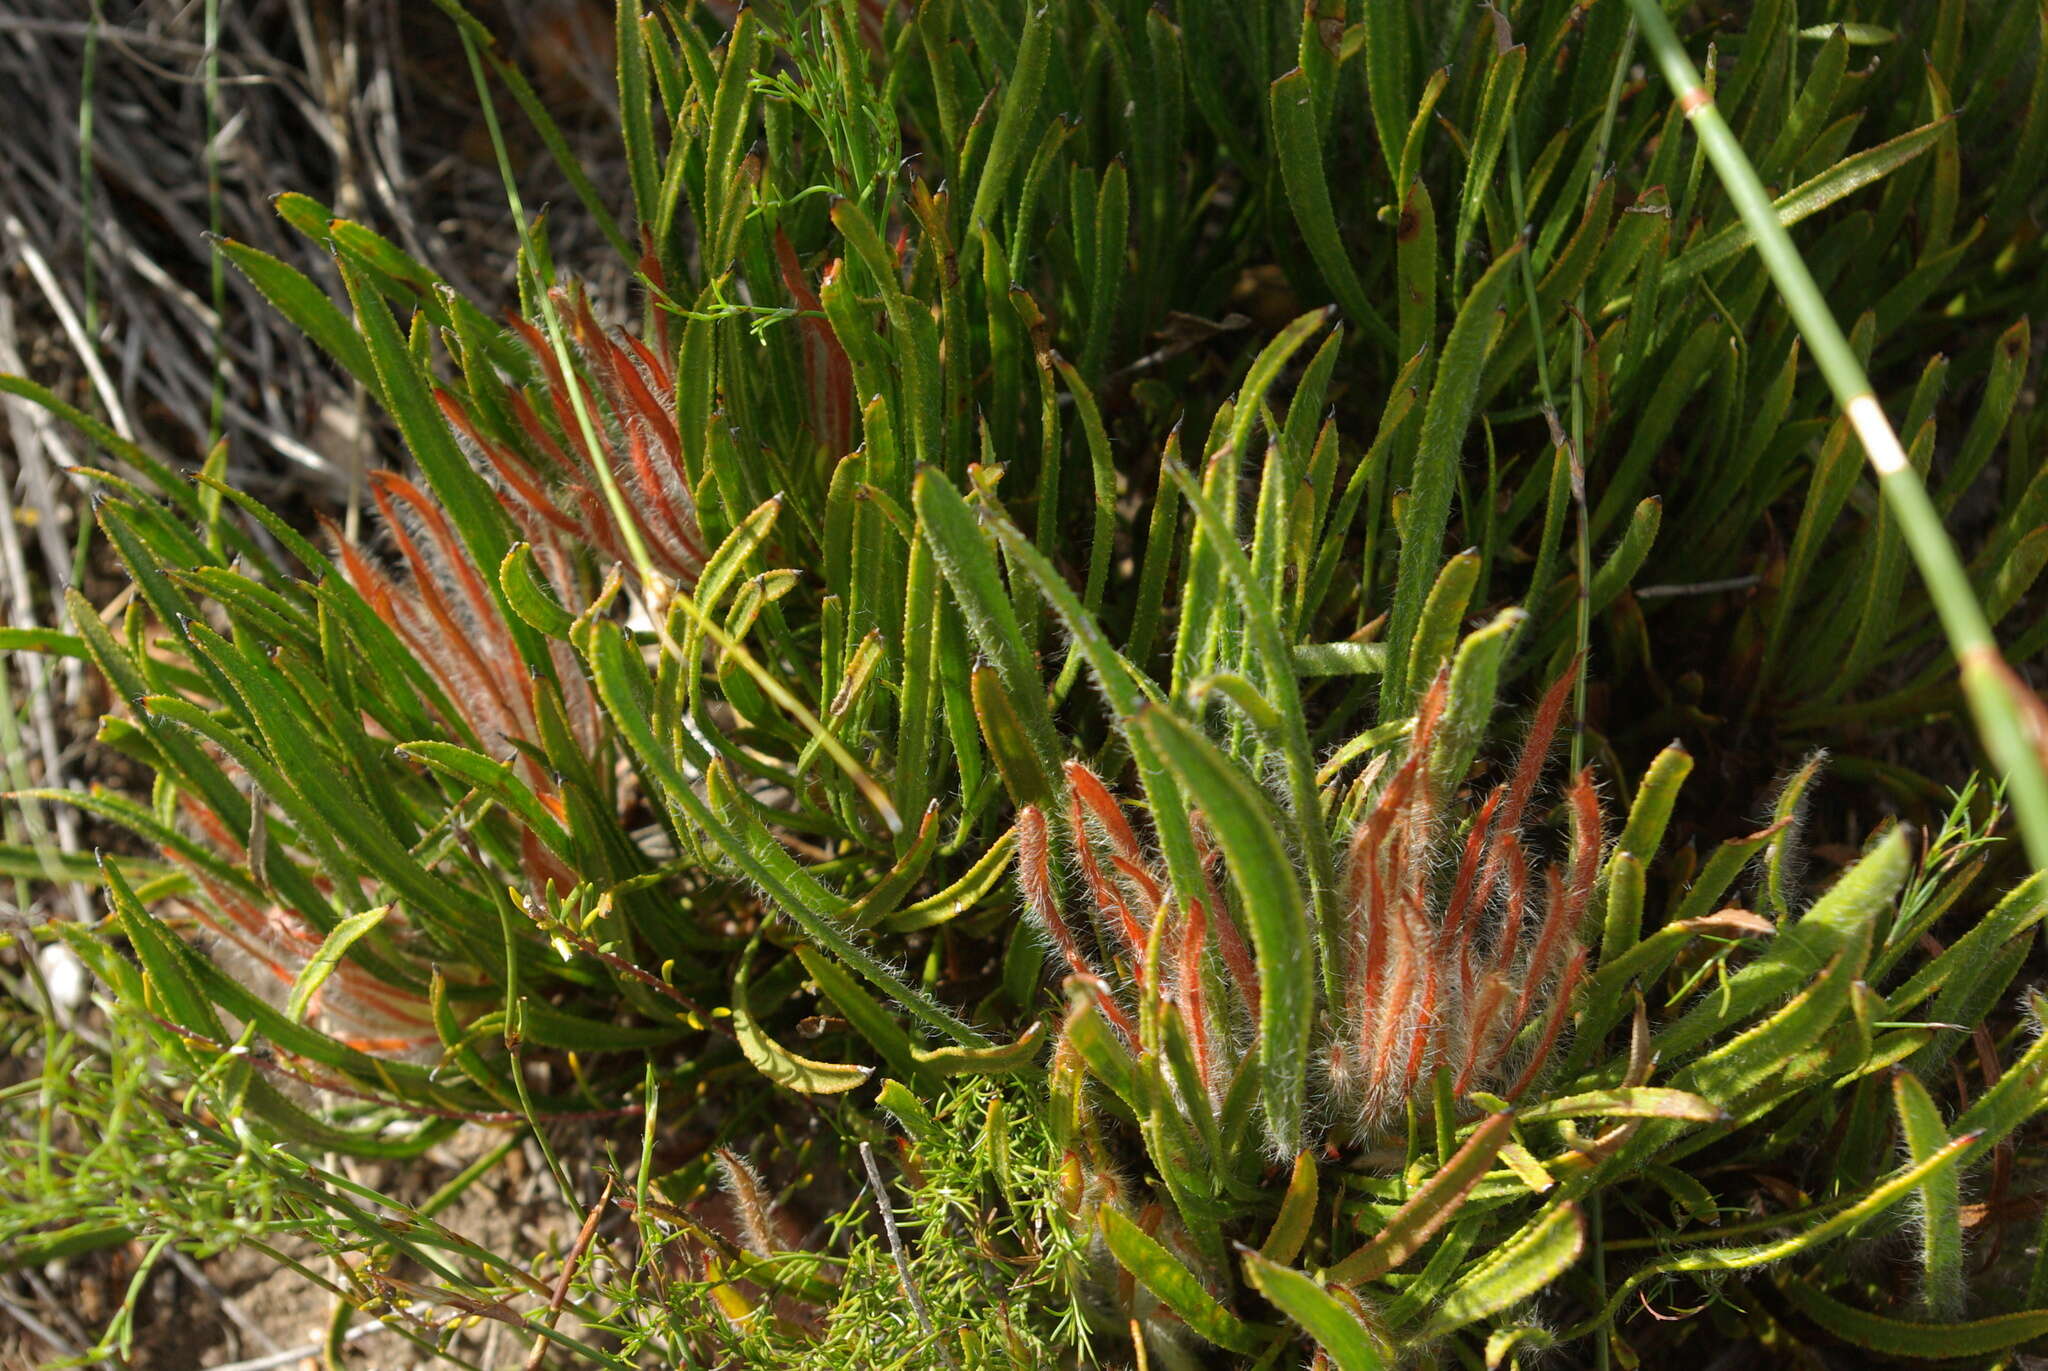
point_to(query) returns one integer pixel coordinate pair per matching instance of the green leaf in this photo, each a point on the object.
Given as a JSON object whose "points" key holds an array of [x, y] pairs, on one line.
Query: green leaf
{"points": [[1940, 1225], [1489, 136], [165, 960], [1651, 813], [1843, 179], [1335, 1328], [782, 1066], [48, 641], [900, 1101], [1733, 1074], [962, 552], [498, 780], [1527, 1262], [305, 305], [1839, 922], [1443, 613], [1016, 119], [2021, 908], [2016, 1097], [636, 111], [1415, 270], [867, 1014], [407, 394], [1858, 35], [1262, 873], [1622, 922], [1339, 659], [1614, 575], [1027, 781], [1631, 1102], [973, 887], [108, 441], [1920, 1341], [1386, 71], [542, 1023], [1431, 1206], [621, 682], [1469, 703], [1451, 400], [1297, 1213], [529, 594], [1162, 1273], [1298, 146], [1003, 1059], [1266, 651], [328, 956]]}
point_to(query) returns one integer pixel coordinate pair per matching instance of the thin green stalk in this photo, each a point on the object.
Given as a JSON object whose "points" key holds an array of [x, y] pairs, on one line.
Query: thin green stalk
{"points": [[1573, 446], [615, 501], [217, 406], [1585, 533], [1998, 700], [87, 79]]}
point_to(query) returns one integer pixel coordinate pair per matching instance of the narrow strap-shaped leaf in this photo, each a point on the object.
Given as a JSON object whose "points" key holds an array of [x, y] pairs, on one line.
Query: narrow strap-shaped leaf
{"points": [[1297, 1213], [2022, 907], [1262, 616], [463, 493], [1629, 1102], [1002, 1059], [1026, 780], [957, 898], [108, 441], [1940, 1223], [636, 114], [2017, 1096], [542, 1023], [956, 540], [1844, 178], [1732, 1073], [48, 641], [1651, 812], [1262, 873], [1336, 1329], [164, 959], [1921, 1341], [1300, 152], [327, 957], [1489, 137], [530, 596], [1530, 1260], [786, 1068], [1386, 69], [305, 305], [1469, 702], [1443, 613], [1162, 1273], [493, 778], [1622, 921], [869, 1017], [1451, 400], [1126, 690], [1432, 1205], [1014, 122], [1893, 1188]]}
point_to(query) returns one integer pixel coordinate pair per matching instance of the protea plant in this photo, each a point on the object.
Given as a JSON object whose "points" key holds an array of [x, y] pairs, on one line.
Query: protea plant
{"points": [[1465, 967]]}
